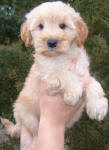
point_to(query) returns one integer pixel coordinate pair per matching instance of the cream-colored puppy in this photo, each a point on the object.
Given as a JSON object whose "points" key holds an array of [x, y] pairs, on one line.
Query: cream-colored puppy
{"points": [[58, 34]]}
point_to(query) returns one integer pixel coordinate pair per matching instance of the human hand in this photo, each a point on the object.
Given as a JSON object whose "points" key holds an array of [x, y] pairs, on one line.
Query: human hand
{"points": [[54, 109]]}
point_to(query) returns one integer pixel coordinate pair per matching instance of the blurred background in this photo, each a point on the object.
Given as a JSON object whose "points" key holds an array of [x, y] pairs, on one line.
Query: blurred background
{"points": [[16, 59]]}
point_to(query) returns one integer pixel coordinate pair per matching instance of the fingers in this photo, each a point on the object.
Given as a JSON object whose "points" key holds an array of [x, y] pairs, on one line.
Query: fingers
{"points": [[78, 105]]}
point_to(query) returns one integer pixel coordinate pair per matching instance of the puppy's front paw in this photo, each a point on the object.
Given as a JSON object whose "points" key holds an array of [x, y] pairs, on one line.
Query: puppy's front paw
{"points": [[97, 109], [53, 86], [72, 97]]}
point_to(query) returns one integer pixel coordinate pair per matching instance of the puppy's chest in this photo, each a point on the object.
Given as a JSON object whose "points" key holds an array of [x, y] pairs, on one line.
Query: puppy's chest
{"points": [[57, 67]]}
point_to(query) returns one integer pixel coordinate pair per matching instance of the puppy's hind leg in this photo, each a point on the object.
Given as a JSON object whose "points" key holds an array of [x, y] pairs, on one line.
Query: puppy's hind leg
{"points": [[96, 103], [11, 128]]}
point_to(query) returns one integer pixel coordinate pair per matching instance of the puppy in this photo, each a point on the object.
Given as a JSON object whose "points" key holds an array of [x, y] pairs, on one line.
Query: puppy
{"points": [[58, 34]]}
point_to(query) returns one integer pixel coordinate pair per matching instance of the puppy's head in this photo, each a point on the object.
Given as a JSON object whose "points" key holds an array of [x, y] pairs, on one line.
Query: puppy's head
{"points": [[52, 28]]}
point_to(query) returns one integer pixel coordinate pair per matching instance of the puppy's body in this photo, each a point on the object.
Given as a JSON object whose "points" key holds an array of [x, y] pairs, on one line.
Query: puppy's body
{"points": [[62, 66], [27, 103]]}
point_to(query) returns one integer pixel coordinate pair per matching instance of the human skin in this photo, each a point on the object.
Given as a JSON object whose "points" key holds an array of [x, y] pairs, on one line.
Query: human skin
{"points": [[55, 114]]}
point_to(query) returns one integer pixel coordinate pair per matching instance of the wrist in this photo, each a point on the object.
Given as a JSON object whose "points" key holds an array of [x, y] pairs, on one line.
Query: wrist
{"points": [[51, 135]]}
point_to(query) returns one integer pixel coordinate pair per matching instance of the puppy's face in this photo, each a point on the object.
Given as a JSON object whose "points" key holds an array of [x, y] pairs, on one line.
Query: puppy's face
{"points": [[52, 33], [52, 28]]}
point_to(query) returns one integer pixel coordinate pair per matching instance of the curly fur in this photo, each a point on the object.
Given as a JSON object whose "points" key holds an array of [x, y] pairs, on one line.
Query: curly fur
{"points": [[54, 66]]}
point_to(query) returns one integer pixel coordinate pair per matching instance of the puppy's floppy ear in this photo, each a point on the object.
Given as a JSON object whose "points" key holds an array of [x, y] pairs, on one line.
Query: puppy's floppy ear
{"points": [[82, 32], [25, 34]]}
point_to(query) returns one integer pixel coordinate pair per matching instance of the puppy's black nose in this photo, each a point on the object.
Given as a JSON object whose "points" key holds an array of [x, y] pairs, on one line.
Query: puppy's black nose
{"points": [[52, 43]]}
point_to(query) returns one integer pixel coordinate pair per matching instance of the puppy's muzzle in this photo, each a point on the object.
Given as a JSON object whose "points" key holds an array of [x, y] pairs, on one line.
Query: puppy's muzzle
{"points": [[52, 43]]}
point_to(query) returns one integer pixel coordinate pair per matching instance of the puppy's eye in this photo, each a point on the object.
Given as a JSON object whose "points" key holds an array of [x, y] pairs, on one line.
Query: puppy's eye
{"points": [[62, 26], [41, 26]]}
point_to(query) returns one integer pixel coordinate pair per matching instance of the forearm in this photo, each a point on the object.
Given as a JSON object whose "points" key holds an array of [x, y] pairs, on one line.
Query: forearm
{"points": [[50, 136]]}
